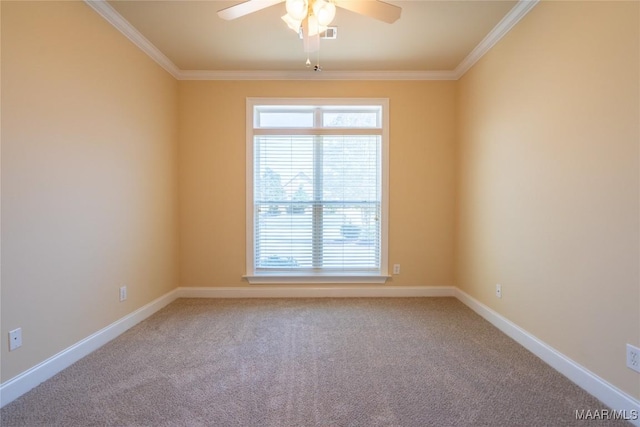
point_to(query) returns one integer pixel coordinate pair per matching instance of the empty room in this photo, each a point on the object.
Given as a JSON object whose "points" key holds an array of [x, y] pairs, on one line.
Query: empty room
{"points": [[320, 213]]}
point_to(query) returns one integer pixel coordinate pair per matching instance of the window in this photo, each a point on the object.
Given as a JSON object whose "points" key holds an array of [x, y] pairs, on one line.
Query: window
{"points": [[317, 190]]}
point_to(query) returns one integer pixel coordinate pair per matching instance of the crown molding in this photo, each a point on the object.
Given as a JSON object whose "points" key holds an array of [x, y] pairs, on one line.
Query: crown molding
{"points": [[500, 30], [105, 10], [312, 75]]}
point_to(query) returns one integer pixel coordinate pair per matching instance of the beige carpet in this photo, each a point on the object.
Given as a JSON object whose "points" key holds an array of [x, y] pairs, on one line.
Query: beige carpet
{"points": [[307, 362]]}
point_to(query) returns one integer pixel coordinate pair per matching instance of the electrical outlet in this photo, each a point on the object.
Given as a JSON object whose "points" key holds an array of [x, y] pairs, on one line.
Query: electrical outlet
{"points": [[123, 293], [499, 291], [396, 268], [633, 358], [15, 339]]}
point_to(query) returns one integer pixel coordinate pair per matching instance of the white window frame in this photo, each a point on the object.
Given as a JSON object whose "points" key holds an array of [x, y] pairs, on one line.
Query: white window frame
{"points": [[379, 277]]}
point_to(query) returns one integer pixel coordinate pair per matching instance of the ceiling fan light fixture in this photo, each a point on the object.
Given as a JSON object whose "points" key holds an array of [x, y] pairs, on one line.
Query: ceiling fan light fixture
{"points": [[325, 11], [313, 26], [297, 9], [292, 23]]}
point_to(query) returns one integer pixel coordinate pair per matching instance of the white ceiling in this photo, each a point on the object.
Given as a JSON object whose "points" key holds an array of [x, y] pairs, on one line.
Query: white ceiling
{"points": [[430, 37]]}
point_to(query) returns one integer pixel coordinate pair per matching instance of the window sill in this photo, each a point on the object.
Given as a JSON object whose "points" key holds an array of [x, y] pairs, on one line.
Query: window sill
{"points": [[280, 278]]}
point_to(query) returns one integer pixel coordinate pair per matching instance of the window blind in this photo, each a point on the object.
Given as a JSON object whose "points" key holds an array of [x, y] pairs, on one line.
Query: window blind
{"points": [[317, 202]]}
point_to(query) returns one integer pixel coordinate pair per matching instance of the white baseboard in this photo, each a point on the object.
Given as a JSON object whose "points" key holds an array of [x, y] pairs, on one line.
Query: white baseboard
{"points": [[608, 394], [19, 385], [316, 291]]}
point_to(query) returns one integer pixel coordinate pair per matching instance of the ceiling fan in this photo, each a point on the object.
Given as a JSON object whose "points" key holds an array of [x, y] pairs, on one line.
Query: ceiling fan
{"points": [[311, 18], [373, 8]]}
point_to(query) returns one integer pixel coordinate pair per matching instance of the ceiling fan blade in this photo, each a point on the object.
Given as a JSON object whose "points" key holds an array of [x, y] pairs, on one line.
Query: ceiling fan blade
{"points": [[376, 9], [245, 8]]}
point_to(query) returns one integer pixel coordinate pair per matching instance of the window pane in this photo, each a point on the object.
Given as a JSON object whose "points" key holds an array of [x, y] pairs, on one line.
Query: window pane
{"points": [[351, 168], [283, 177], [300, 119], [351, 236], [351, 119], [283, 238]]}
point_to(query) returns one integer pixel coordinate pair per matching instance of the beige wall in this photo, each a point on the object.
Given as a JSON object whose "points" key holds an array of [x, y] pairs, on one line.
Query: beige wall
{"points": [[549, 181], [88, 177], [212, 175]]}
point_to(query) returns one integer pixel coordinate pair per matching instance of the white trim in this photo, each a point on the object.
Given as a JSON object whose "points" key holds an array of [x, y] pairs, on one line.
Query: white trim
{"points": [[275, 279], [105, 10], [581, 376], [312, 75], [498, 32], [315, 102], [22, 383], [384, 169], [249, 167], [317, 131], [345, 291], [359, 277]]}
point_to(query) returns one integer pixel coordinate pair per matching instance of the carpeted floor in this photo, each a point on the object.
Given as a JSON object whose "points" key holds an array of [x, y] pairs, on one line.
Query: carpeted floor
{"points": [[308, 362]]}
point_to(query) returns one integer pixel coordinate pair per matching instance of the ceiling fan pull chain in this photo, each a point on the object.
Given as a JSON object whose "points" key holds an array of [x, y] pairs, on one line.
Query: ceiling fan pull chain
{"points": [[318, 67]]}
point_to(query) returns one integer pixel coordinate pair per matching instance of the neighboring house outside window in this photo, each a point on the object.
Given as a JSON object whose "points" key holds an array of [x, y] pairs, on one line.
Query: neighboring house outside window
{"points": [[317, 190]]}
